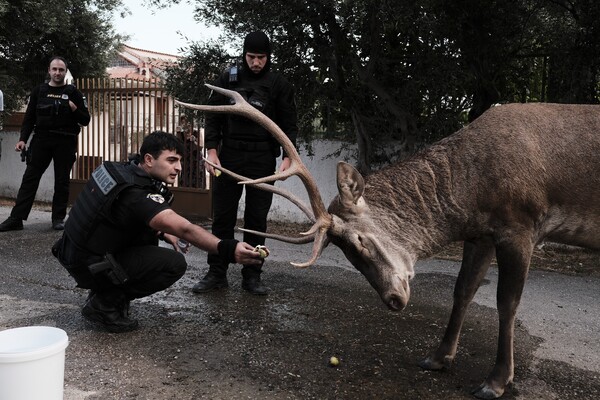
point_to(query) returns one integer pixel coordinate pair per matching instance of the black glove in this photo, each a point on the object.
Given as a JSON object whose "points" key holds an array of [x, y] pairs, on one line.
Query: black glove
{"points": [[226, 249]]}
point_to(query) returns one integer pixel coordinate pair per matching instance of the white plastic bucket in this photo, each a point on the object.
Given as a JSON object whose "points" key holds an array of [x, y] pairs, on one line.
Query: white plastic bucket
{"points": [[32, 363]]}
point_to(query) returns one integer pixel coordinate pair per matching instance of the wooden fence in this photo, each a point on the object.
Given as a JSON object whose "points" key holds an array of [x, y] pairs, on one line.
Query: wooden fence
{"points": [[123, 112]]}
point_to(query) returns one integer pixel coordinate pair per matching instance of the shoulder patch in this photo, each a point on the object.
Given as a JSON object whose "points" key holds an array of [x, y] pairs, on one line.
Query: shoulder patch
{"points": [[156, 197], [103, 179]]}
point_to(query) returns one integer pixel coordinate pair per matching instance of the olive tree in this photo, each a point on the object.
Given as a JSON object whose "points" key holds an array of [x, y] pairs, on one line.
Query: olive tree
{"points": [[34, 30], [392, 76]]}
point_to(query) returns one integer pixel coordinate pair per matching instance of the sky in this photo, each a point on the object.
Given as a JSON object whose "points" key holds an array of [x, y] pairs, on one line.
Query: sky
{"points": [[162, 30]]}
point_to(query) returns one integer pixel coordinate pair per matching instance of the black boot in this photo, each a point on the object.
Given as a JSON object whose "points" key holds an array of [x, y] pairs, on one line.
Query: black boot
{"points": [[58, 224], [109, 310], [11, 224], [211, 281], [251, 282]]}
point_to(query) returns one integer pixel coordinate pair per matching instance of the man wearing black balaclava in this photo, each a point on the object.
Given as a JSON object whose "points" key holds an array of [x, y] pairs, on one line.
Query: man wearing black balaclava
{"points": [[246, 148]]}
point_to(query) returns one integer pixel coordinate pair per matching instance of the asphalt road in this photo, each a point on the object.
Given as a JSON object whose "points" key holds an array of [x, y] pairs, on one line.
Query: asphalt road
{"points": [[231, 345]]}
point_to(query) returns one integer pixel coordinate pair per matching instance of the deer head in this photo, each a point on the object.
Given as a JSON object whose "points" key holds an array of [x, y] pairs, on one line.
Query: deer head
{"points": [[349, 223]]}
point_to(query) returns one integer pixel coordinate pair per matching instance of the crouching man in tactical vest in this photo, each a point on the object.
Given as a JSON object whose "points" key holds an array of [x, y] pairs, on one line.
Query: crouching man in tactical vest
{"points": [[110, 242]]}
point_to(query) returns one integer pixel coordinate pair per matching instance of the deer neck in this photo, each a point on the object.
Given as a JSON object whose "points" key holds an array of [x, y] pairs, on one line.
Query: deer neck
{"points": [[416, 203]]}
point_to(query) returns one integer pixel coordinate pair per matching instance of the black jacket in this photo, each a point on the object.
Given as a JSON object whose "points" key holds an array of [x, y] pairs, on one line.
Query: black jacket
{"points": [[271, 93], [48, 110]]}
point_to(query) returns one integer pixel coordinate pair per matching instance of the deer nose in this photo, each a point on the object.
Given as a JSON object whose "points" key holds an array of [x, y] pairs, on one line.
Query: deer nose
{"points": [[395, 304], [397, 301]]}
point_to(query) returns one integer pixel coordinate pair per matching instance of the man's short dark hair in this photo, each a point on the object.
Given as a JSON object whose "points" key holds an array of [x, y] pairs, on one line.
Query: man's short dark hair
{"points": [[59, 58], [158, 141]]}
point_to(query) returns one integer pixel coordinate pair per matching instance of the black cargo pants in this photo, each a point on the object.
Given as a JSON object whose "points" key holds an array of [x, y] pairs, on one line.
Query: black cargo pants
{"points": [[149, 269], [44, 148], [226, 197]]}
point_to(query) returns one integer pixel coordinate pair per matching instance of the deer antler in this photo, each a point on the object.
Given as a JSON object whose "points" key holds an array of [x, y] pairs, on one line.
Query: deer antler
{"points": [[322, 219], [269, 188]]}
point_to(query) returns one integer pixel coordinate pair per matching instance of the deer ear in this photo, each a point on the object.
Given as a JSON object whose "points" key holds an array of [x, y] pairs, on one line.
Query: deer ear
{"points": [[350, 182]]}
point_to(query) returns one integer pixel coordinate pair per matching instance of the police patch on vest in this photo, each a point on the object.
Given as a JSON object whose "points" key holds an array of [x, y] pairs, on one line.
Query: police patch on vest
{"points": [[103, 179], [156, 197]]}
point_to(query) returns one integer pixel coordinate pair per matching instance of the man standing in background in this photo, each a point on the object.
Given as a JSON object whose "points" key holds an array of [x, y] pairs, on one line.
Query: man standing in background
{"points": [[56, 112], [246, 148]]}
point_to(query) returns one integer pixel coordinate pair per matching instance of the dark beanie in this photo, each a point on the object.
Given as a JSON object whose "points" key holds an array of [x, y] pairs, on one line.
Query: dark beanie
{"points": [[257, 42]]}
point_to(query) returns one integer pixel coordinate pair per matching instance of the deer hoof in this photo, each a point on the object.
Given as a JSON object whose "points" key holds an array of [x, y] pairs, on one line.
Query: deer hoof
{"points": [[486, 392], [432, 364]]}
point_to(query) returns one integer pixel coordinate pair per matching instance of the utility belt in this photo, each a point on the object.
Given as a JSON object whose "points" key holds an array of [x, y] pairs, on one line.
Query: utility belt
{"points": [[248, 146], [55, 132]]}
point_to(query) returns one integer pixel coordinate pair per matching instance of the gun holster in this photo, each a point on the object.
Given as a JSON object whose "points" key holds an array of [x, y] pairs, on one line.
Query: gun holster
{"points": [[26, 155], [110, 269]]}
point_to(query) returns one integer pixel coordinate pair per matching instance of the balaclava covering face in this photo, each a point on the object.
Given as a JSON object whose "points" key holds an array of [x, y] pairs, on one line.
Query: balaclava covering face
{"points": [[257, 42]]}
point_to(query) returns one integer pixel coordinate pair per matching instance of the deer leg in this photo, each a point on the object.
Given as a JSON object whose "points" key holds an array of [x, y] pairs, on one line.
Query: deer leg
{"points": [[513, 264], [477, 256]]}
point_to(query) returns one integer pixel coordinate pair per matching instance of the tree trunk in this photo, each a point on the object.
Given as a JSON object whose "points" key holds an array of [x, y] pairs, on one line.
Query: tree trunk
{"points": [[363, 141]]}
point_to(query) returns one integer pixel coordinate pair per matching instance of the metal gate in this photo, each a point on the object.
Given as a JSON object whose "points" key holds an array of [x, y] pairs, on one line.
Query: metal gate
{"points": [[123, 112]]}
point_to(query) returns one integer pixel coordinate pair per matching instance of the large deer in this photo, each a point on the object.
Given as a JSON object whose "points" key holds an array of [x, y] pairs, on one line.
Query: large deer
{"points": [[518, 175]]}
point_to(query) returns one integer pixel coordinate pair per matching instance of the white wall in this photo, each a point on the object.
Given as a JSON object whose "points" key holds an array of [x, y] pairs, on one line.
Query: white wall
{"points": [[12, 170], [322, 168]]}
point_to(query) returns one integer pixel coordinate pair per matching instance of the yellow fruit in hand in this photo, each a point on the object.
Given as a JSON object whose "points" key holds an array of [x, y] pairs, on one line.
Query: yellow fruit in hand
{"points": [[334, 361], [217, 173], [262, 251]]}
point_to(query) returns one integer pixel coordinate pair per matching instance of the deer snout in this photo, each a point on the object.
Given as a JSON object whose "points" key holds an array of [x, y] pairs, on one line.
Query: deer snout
{"points": [[397, 297]]}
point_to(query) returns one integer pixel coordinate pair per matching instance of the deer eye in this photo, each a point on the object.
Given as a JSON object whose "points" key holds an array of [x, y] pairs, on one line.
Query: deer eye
{"points": [[364, 247], [361, 240]]}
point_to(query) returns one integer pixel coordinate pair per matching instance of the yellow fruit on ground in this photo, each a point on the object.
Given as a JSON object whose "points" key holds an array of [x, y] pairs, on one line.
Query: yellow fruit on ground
{"points": [[334, 361]]}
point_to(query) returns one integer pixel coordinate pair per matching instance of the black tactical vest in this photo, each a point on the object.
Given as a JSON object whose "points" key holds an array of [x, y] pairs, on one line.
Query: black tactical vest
{"points": [[53, 112], [257, 92], [89, 224]]}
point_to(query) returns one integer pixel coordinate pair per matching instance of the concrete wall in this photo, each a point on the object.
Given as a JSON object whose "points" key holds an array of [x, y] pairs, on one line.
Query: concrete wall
{"points": [[322, 168], [12, 170]]}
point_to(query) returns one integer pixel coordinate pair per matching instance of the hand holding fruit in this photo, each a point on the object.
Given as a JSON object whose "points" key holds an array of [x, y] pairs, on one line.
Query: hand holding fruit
{"points": [[262, 251]]}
